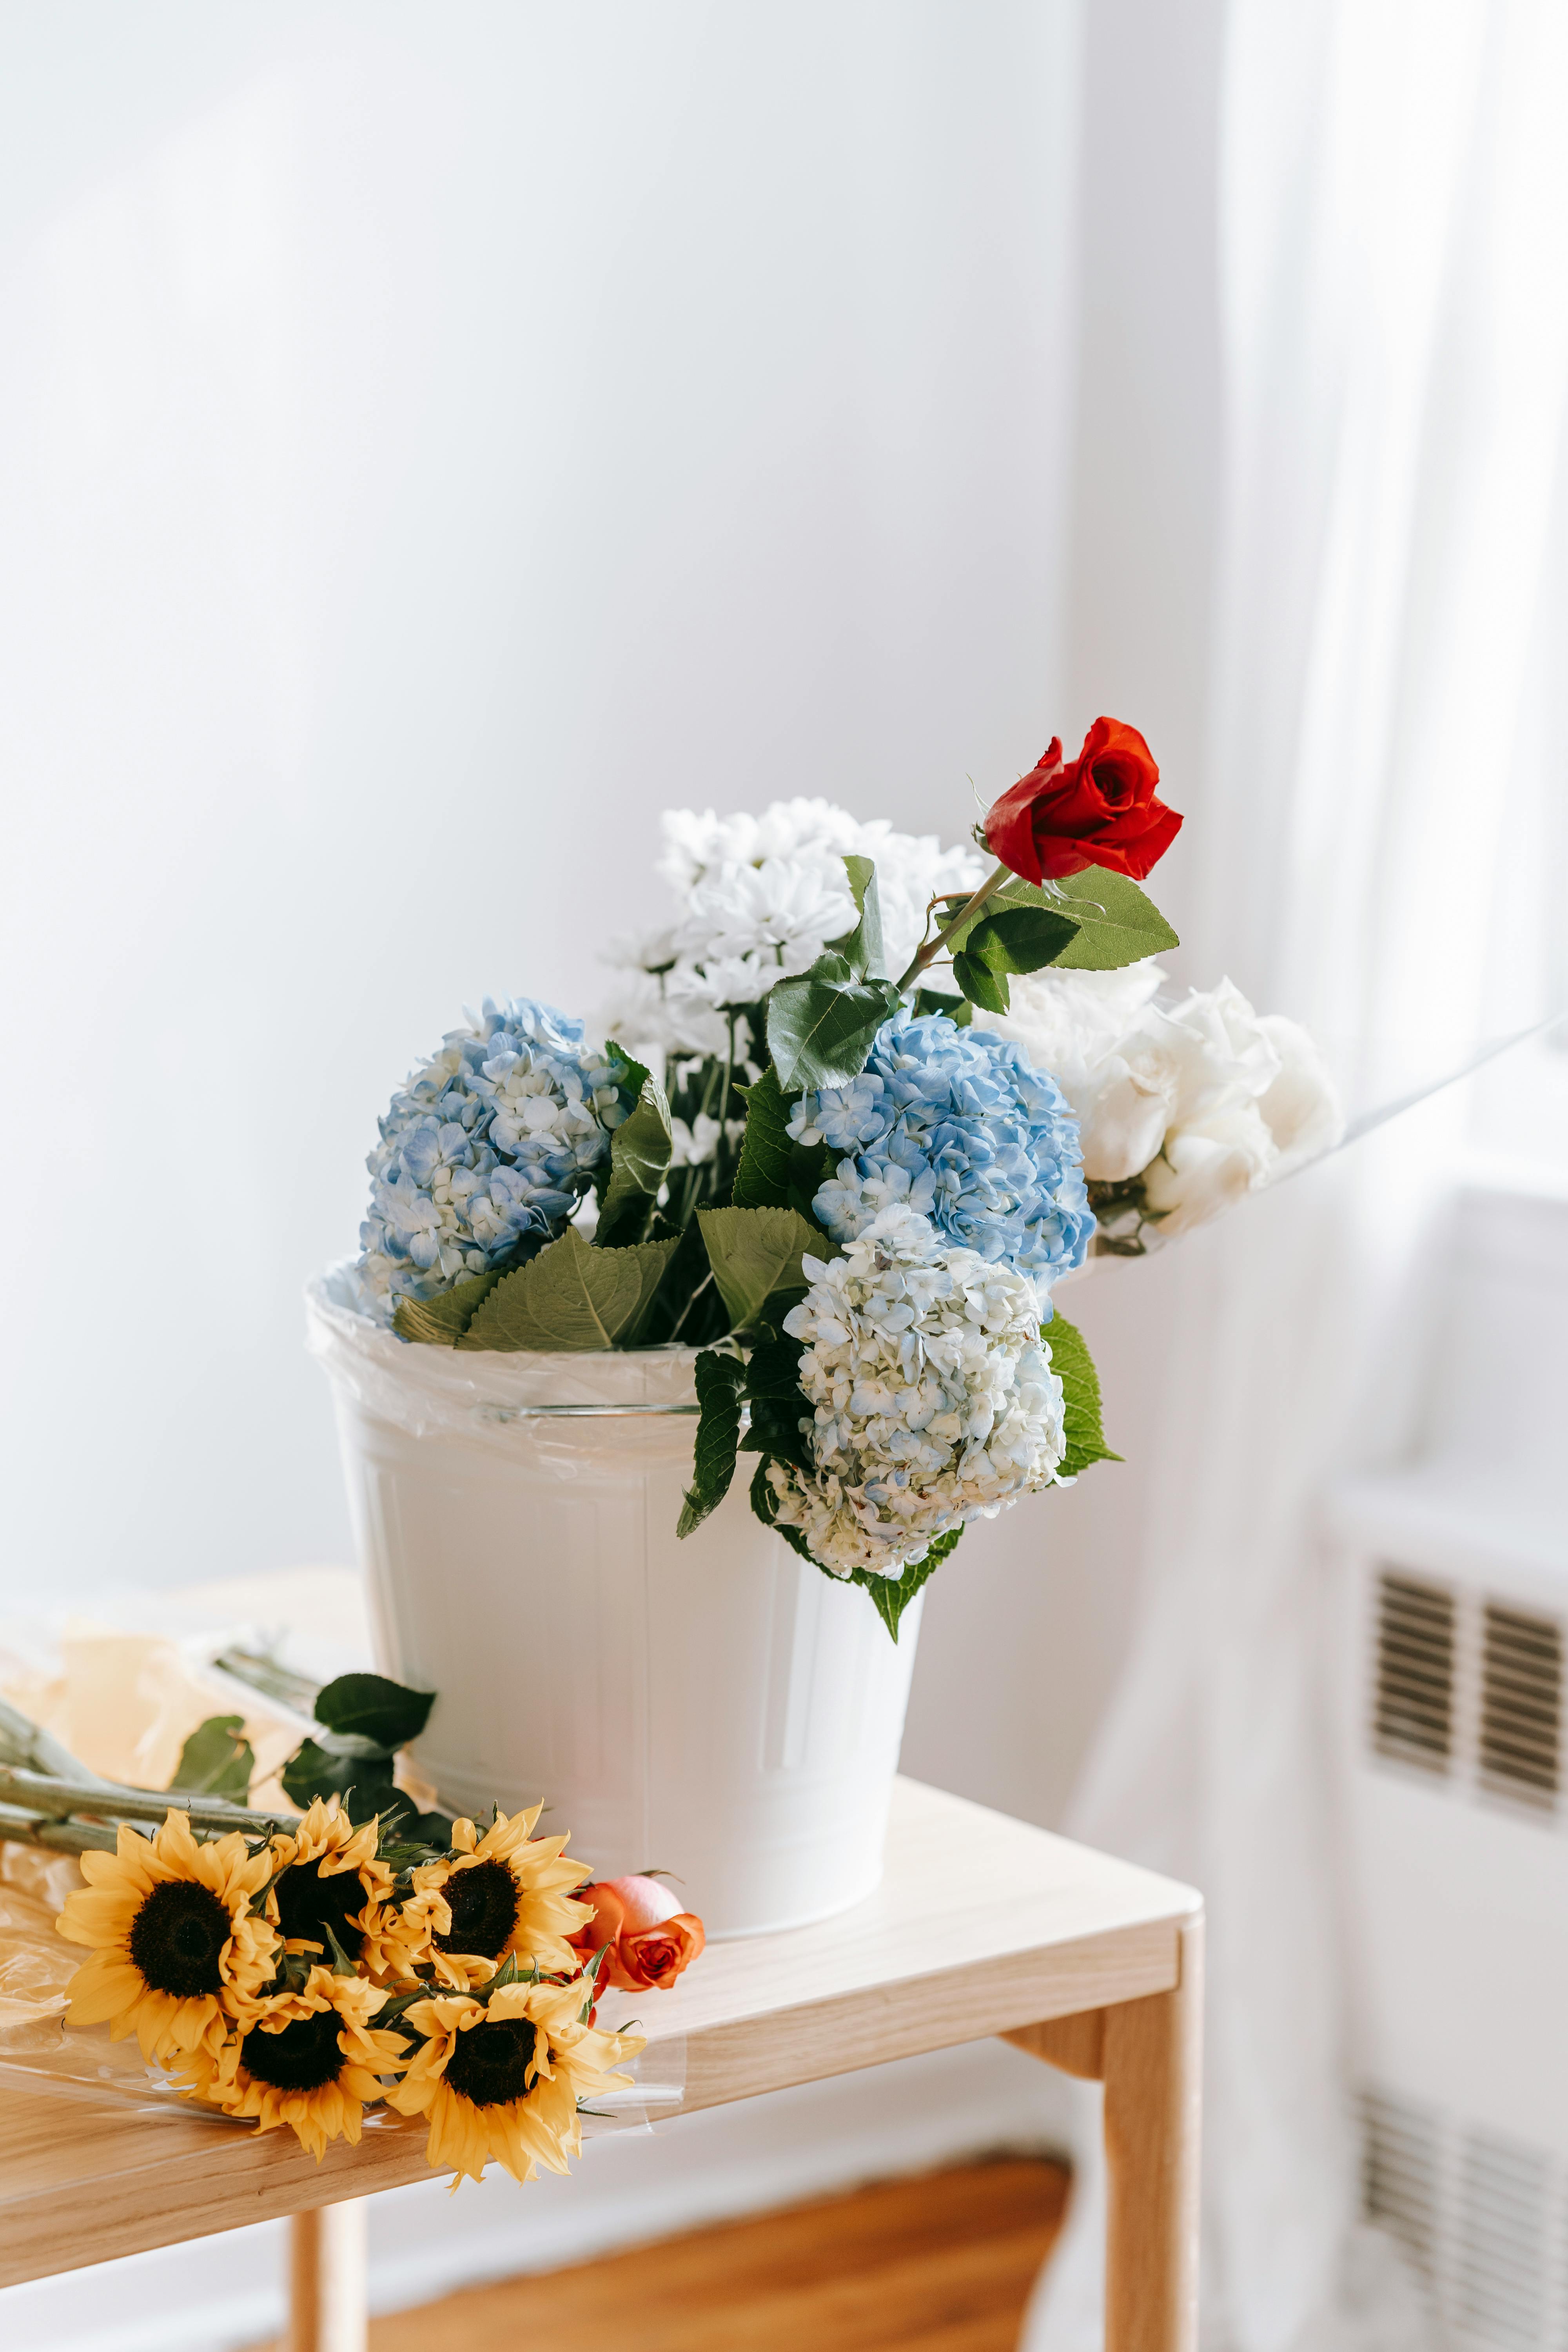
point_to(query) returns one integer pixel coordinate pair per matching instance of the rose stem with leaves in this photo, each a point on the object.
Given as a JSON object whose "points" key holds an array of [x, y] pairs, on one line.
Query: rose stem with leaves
{"points": [[933, 948]]}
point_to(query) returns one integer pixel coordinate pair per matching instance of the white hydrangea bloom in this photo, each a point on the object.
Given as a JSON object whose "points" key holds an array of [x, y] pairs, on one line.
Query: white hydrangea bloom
{"points": [[932, 1395]]}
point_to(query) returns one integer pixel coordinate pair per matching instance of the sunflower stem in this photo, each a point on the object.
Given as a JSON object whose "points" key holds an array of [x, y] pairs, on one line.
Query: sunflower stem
{"points": [[19, 1828], [48, 1795]]}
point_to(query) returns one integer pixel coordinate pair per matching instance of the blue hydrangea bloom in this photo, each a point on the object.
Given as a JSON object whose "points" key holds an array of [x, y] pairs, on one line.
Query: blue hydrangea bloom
{"points": [[486, 1150], [954, 1123]]}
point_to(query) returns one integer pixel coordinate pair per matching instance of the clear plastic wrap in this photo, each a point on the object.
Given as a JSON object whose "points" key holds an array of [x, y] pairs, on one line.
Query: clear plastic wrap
{"points": [[561, 1410]]}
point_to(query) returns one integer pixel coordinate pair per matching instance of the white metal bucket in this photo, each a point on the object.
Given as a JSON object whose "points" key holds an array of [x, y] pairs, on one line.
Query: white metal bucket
{"points": [[715, 1707]]}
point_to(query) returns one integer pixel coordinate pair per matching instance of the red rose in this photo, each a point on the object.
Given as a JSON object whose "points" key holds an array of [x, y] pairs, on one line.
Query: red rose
{"points": [[651, 1938], [1099, 809]]}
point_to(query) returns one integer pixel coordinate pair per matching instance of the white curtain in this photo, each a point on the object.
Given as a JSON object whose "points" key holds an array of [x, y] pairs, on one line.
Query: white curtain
{"points": [[1394, 268]]}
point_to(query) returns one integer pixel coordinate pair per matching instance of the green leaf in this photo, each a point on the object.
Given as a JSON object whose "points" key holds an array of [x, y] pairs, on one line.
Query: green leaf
{"points": [[862, 948], [363, 1784], [216, 1761], [820, 1026], [441, 1322], [720, 1380], [982, 986], [1118, 924], [891, 1595], [1074, 1367], [776, 1430], [754, 1252], [762, 1180], [372, 1708], [572, 1297], [958, 1009], [639, 1161], [1020, 938], [810, 1166], [773, 1369]]}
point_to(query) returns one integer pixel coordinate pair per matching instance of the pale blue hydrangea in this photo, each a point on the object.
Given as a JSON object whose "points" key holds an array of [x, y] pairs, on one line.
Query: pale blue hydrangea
{"points": [[486, 1151], [957, 1125]]}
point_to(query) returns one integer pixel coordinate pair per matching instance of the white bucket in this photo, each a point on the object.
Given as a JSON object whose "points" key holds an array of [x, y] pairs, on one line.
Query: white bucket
{"points": [[716, 1707]]}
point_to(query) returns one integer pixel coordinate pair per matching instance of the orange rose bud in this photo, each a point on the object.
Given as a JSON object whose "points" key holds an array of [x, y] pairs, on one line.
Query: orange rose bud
{"points": [[650, 1938]]}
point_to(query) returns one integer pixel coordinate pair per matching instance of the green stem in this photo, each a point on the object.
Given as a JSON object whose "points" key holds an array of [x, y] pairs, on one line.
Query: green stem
{"points": [[45, 1794], [675, 1331], [19, 1828], [928, 954]]}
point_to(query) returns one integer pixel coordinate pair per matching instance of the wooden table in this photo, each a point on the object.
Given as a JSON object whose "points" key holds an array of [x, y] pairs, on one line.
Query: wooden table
{"points": [[982, 1925]]}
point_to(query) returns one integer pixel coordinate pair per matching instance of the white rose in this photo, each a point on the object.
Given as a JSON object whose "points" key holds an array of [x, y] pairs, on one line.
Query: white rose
{"points": [[1302, 1107], [1171, 1072], [1206, 1168], [1068, 1021]]}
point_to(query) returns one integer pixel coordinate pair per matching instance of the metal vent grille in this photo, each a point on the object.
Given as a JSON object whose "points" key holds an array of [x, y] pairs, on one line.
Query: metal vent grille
{"points": [[1482, 2221], [1499, 2278], [1413, 1709], [1400, 2163], [1522, 1705]]}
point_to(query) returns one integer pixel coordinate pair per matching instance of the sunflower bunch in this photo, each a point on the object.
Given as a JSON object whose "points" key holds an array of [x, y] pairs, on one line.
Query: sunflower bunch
{"points": [[298, 1977]]}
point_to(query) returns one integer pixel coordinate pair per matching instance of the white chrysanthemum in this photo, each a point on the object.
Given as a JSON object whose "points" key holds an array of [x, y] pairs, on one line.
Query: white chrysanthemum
{"points": [[761, 897], [933, 1399]]}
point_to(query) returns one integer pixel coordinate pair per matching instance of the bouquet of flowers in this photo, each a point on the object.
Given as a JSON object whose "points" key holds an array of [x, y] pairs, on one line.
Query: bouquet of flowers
{"points": [[860, 1108], [298, 1971]]}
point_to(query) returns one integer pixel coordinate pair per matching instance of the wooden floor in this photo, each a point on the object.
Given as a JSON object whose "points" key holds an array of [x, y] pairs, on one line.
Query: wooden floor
{"points": [[940, 2263]]}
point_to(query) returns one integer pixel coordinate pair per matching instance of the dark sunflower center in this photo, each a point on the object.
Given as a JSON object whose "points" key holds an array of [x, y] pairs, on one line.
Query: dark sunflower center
{"points": [[308, 1905], [303, 2057], [177, 1936], [489, 2064], [483, 1903]]}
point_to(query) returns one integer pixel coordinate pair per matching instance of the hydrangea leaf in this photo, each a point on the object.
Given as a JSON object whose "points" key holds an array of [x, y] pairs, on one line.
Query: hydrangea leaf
{"points": [[1074, 1367], [891, 1595], [720, 1380], [810, 1166], [773, 1369], [1020, 938], [1118, 923], [754, 1252], [982, 986], [572, 1297], [640, 1152], [216, 1761], [441, 1322], [821, 1026], [762, 1178], [862, 948], [372, 1707]]}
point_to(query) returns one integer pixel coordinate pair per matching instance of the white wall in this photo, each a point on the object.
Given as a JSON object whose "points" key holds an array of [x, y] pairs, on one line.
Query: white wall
{"points": [[436, 440]]}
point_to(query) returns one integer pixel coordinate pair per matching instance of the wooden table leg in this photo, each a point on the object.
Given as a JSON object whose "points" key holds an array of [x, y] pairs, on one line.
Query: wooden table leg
{"points": [[1153, 2062], [327, 2279]]}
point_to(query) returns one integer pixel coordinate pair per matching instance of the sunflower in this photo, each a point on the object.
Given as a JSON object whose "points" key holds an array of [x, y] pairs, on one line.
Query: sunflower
{"points": [[400, 1932], [308, 2059], [503, 2077], [507, 1893], [172, 1934], [325, 1874]]}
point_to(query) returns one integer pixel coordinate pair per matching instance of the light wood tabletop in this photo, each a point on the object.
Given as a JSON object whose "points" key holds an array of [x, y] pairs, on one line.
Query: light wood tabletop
{"points": [[982, 1925]]}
